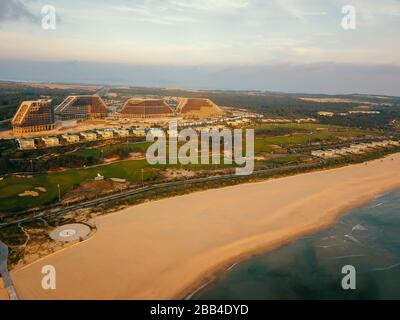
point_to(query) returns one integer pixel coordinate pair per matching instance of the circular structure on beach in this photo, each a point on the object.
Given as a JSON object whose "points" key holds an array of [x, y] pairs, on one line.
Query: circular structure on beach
{"points": [[70, 232]]}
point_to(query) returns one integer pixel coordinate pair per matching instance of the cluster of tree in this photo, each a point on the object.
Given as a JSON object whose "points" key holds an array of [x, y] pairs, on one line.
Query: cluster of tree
{"points": [[386, 120], [123, 153], [7, 146]]}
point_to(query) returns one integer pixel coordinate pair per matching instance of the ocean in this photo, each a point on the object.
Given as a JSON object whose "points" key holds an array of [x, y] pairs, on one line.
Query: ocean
{"points": [[367, 238]]}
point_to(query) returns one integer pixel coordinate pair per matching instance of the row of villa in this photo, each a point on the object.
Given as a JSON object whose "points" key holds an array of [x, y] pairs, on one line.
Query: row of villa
{"points": [[343, 114], [232, 121], [354, 149], [81, 137], [300, 120]]}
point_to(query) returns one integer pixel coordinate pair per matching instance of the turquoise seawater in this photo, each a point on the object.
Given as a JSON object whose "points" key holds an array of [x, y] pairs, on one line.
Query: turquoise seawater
{"points": [[367, 238]]}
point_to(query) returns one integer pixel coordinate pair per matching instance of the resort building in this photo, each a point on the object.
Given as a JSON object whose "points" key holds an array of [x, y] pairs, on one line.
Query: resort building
{"points": [[326, 114], [198, 107], [26, 144], [88, 136], [139, 132], [276, 120], [238, 123], [306, 120], [121, 133], [355, 149], [70, 138], [146, 108], [81, 107], [105, 134], [33, 116], [49, 142], [364, 112]]}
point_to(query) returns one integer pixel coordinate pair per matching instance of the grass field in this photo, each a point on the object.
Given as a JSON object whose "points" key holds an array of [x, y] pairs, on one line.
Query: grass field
{"points": [[288, 127], [315, 136], [10, 188]]}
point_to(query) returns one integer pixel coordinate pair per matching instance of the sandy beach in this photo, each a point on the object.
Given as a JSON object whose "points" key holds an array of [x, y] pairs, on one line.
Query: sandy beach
{"points": [[168, 248]]}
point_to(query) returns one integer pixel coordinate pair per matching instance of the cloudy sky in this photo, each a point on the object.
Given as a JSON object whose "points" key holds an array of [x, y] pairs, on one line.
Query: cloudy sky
{"points": [[250, 40]]}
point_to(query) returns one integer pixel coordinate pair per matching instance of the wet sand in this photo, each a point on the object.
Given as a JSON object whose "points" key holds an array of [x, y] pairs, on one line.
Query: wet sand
{"points": [[168, 248]]}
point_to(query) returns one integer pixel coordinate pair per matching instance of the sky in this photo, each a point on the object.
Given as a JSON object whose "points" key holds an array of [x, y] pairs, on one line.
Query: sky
{"points": [[284, 45]]}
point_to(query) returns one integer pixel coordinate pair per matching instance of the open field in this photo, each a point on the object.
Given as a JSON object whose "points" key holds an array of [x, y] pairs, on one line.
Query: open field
{"points": [[168, 248]]}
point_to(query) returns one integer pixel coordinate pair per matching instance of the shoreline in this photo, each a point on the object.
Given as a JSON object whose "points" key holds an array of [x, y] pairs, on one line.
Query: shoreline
{"points": [[189, 292], [229, 253]]}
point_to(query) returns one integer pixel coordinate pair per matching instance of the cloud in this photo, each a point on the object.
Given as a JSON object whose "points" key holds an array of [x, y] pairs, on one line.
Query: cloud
{"points": [[178, 11], [211, 5], [157, 15], [11, 10], [295, 11], [207, 31]]}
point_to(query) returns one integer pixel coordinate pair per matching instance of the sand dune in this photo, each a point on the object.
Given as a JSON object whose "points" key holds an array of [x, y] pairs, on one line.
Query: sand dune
{"points": [[168, 248]]}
